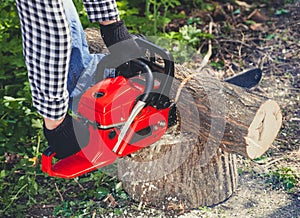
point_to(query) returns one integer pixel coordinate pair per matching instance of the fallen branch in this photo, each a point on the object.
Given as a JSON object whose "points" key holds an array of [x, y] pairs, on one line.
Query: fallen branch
{"points": [[60, 195]]}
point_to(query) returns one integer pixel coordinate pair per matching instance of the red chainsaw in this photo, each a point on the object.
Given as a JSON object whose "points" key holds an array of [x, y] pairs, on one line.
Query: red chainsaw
{"points": [[124, 114]]}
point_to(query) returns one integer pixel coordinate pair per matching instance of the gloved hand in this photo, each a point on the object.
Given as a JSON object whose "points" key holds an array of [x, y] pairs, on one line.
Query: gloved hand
{"points": [[121, 45], [68, 138]]}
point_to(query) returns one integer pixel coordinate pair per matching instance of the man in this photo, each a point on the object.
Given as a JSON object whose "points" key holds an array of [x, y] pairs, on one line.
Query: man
{"points": [[56, 55]]}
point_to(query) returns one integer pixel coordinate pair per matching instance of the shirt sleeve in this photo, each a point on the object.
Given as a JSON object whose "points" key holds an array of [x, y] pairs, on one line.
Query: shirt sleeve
{"points": [[47, 48], [101, 10]]}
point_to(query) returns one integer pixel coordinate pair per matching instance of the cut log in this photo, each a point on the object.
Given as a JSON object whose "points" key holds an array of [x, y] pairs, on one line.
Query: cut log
{"points": [[239, 121]]}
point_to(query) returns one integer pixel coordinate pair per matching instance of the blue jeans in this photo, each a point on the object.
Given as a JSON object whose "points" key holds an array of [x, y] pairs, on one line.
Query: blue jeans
{"points": [[82, 64]]}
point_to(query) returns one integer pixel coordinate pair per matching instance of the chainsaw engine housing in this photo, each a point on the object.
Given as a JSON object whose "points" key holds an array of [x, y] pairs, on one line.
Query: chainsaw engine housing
{"points": [[109, 104]]}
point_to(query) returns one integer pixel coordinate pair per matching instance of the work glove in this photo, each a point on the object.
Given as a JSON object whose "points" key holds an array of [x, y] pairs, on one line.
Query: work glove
{"points": [[68, 138], [121, 45]]}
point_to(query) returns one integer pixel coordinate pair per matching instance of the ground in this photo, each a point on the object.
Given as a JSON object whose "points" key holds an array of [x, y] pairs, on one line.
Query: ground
{"points": [[270, 41]]}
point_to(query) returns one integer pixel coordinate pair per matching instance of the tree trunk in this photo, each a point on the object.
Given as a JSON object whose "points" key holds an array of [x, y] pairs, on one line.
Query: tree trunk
{"points": [[194, 164]]}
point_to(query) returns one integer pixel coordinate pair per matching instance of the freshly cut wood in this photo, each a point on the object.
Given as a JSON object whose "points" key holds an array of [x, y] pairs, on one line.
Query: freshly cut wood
{"points": [[263, 129], [226, 115]]}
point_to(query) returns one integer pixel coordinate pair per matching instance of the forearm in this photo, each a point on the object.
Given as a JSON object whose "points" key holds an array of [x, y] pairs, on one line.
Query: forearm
{"points": [[47, 48]]}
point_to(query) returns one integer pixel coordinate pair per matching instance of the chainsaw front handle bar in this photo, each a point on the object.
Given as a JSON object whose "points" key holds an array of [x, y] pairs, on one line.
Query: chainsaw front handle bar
{"points": [[148, 78], [139, 105], [168, 59]]}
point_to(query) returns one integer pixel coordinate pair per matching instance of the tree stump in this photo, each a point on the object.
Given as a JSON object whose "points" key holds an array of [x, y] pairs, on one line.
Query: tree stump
{"points": [[171, 173], [195, 162]]}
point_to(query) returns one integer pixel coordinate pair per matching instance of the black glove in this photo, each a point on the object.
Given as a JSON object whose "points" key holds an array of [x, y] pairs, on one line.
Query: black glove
{"points": [[68, 138], [121, 45], [114, 33]]}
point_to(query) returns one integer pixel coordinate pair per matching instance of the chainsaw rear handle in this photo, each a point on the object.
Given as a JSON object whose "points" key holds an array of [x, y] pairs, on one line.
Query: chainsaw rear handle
{"points": [[47, 158]]}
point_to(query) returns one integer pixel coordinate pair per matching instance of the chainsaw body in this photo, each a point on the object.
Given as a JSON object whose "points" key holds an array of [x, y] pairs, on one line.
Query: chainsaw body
{"points": [[109, 105], [124, 114]]}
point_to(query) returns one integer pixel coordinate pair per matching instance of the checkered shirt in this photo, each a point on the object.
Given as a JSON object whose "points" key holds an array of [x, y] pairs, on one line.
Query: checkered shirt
{"points": [[47, 48]]}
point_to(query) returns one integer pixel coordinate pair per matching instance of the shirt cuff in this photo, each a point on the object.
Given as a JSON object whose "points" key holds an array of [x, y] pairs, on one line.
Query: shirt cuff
{"points": [[99, 11]]}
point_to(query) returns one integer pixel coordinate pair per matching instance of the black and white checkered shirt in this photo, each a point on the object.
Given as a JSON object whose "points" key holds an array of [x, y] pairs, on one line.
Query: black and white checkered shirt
{"points": [[47, 48]]}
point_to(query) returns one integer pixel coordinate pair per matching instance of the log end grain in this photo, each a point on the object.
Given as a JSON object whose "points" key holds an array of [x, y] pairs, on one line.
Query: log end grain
{"points": [[264, 129]]}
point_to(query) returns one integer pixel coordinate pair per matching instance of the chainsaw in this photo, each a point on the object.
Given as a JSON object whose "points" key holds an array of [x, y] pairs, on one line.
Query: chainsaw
{"points": [[124, 113], [128, 112]]}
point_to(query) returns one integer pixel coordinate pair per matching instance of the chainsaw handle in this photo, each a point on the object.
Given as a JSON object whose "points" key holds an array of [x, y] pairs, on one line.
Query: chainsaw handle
{"points": [[168, 63], [149, 79]]}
